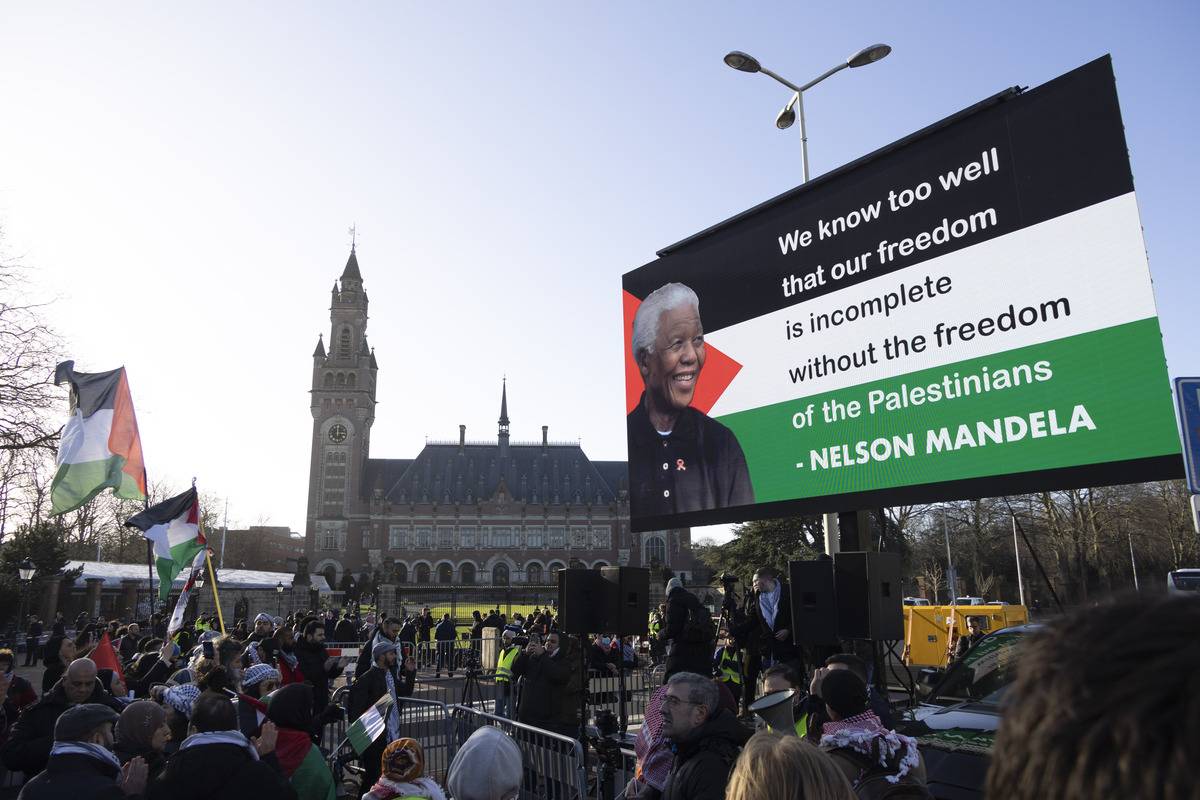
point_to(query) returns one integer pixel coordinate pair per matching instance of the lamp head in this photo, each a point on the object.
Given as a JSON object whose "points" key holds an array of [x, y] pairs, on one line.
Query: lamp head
{"points": [[868, 55], [279, 587], [742, 62], [26, 570], [786, 118]]}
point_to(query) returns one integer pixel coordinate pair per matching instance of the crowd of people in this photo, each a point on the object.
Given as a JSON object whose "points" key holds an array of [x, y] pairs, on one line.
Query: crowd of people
{"points": [[1103, 705]]}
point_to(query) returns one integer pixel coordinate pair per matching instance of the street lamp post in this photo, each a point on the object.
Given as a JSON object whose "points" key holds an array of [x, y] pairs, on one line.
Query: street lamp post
{"points": [[279, 597], [744, 62], [26, 570]]}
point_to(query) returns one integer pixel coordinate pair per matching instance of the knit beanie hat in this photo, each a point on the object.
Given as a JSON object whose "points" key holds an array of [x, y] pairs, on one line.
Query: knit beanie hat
{"points": [[486, 767], [182, 698], [674, 584], [403, 761], [139, 721]]}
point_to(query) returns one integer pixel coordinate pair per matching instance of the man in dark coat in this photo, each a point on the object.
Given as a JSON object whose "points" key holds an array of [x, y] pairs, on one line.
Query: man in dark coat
{"points": [[767, 629], [707, 738], [32, 637], [387, 631], [216, 760], [81, 764], [316, 665], [445, 633], [690, 646], [425, 625], [345, 630], [367, 690], [550, 693], [680, 459], [29, 742]]}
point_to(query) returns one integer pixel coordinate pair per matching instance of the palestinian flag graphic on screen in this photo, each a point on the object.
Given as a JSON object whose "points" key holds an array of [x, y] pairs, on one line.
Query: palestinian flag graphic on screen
{"points": [[100, 446], [174, 527]]}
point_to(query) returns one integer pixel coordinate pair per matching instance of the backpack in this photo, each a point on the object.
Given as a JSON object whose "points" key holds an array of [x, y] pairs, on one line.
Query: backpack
{"points": [[699, 626], [872, 782]]}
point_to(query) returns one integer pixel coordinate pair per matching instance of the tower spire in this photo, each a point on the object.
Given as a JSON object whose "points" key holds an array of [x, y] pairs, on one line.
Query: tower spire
{"points": [[504, 405], [502, 439]]}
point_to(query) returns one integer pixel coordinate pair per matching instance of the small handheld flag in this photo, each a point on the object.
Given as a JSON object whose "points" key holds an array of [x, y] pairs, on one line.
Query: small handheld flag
{"points": [[366, 729]]}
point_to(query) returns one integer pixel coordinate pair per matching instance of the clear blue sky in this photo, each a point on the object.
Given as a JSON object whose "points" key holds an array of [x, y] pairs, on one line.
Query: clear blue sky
{"points": [[181, 180]]}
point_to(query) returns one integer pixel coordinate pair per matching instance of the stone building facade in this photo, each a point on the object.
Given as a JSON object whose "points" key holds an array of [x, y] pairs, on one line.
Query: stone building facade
{"points": [[461, 512]]}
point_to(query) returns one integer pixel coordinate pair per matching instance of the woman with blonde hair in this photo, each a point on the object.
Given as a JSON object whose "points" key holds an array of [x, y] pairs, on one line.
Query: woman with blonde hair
{"points": [[774, 766]]}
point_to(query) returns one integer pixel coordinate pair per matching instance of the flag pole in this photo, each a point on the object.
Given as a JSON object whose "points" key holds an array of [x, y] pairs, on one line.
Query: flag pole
{"points": [[149, 551], [212, 580]]}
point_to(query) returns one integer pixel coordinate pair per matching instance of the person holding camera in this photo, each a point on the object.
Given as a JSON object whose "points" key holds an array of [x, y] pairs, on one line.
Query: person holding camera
{"points": [[689, 633]]}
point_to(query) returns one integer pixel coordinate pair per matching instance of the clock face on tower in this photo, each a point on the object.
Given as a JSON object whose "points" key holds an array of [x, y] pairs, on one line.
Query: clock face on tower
{"points": [[337, 434]]}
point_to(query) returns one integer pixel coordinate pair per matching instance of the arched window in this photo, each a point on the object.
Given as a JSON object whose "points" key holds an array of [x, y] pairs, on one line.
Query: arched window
{"points": [[328, 380], [445, 573], [656, 551], [351, 381], [533, 573], [341, 379], [467, 574], [599, 564], [422, 572], [344, 343], [500, 575], [401, 573], [330, 573], [555, 566]]}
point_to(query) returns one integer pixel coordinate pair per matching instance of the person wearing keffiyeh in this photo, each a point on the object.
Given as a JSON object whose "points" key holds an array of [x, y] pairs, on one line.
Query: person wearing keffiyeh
{"points": [[402, 768], [858, 742], [382, 678]]}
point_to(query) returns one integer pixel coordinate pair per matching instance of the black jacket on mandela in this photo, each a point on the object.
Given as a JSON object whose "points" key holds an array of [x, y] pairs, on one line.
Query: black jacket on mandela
{"points": [[697, 466]]}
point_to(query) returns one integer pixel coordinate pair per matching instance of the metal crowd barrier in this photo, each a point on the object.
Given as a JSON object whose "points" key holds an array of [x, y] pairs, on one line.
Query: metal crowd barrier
{"points": [[424, 720], [553, 763], [604, 692]]}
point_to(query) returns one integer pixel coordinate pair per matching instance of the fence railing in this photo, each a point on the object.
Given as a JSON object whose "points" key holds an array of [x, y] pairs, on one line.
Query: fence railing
{"points": [[553, 764]]}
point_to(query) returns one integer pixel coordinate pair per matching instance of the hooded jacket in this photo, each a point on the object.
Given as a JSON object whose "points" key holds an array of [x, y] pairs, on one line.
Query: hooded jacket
{"points": [[685, 656], [312, 658], [703, 761], [29, 743], [290, 708]]}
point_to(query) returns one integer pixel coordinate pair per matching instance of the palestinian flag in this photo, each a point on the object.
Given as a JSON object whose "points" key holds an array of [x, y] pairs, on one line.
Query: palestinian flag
{"points": [[181, 604], [100, 446], [366, 729], [174, 527]]}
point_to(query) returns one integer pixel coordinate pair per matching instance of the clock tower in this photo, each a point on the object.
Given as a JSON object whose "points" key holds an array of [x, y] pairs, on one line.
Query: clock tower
{"points": [[343, 410]]}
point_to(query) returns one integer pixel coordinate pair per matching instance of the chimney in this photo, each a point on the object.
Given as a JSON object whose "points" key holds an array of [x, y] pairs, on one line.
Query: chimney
{"points": [[462, 437], [545, 436]]}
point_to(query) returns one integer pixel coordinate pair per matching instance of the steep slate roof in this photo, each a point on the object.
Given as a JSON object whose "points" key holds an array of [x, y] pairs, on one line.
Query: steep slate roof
{"points": [[351, 271], [446, 473]]}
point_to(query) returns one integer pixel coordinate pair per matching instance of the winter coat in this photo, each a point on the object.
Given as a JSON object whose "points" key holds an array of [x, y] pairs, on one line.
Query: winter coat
{"points": [[226, 771], [685, 656], [759, 636], [424, 626], [75, 776], [345, 631], [372, 685], [446, 631], [703, 761], [550, 692], [312, 659], [30, 740]]}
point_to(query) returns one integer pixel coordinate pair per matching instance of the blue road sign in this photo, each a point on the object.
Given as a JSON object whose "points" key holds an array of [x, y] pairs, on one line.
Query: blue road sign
{"points": [[1187, 395]]}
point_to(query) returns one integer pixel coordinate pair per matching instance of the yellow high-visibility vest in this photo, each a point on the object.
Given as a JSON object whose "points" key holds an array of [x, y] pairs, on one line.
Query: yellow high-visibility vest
{"points": [[731, 667], [504, 664]]}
